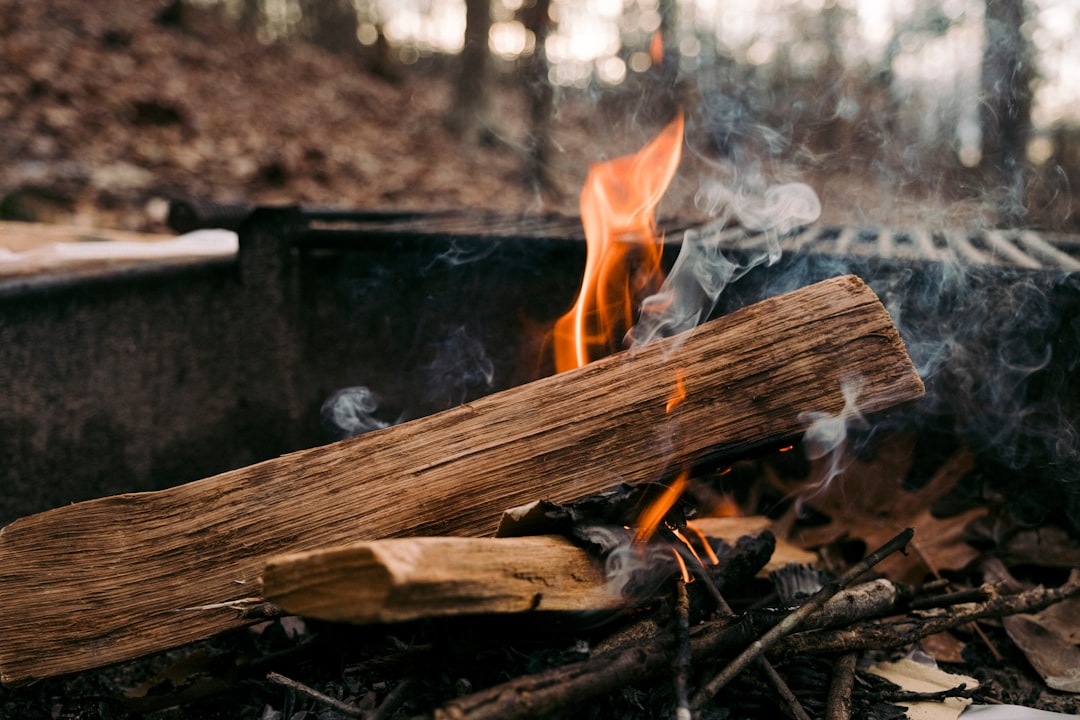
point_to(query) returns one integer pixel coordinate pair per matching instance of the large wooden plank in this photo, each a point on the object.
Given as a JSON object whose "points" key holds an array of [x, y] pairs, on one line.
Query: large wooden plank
{"points": [[118, 577]]}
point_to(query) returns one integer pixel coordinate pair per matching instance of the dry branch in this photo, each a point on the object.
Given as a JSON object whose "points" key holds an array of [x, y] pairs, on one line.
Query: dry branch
{"points": [[119, 577], [900, 633], [798, 616]]}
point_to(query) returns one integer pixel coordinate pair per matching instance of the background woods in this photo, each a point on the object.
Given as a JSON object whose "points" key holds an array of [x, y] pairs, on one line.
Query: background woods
{"points": [[961, 106]]}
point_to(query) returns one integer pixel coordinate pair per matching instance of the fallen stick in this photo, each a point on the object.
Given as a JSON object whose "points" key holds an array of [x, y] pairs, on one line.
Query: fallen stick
{"points": [[838, 706], [900, 633], [116, 578], [786, 626], [333, 703]]}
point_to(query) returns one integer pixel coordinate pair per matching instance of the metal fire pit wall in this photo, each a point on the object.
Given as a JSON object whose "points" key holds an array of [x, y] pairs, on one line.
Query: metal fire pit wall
{"points": [[147, 378]]}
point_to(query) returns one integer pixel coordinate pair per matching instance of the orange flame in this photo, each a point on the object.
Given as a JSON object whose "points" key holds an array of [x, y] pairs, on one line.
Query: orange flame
{"points": [[682, 538], [680, 392], [683, 570], [618, 204], [704, 543], [651, 517]]}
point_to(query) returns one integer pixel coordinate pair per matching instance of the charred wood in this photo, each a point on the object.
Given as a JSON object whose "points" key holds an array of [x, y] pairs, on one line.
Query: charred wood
{"points": [[792, 621]]}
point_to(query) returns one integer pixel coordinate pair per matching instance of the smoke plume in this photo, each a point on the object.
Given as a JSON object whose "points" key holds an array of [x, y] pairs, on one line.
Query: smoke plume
{"points": [[713, 257]]}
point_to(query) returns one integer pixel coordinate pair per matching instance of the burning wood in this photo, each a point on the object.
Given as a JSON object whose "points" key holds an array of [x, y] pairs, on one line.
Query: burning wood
{"points": [[155, 570], [411, 578]]}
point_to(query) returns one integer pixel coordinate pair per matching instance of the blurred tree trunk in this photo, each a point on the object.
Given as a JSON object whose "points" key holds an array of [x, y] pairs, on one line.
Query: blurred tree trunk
{"points": [[470, 115], [331, 24], [662, 97], [838, 128], [1006, 107], [536, 19]]}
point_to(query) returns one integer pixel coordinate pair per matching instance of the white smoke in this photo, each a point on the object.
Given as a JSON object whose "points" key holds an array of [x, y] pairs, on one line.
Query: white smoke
{"points": [[632, 570], [348, 412], [461, 366], [826, 434], [712, 257]]}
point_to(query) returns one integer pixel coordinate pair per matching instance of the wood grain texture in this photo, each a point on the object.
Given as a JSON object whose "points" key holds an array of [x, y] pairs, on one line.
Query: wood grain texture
{"points": [[412, 578], [115, 578], [402, 579]]}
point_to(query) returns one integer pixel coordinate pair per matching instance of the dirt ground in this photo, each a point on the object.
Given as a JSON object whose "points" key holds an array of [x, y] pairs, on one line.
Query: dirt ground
{"points": [[111, 109]]}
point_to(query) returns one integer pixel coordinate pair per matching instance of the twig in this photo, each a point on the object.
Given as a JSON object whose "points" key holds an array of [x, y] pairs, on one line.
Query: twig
{"points": [[907, 696], [392, 701], [682, 651], [974, 626], [774, 678], [977, 594], [338, 705], [783, 690], [547, 692], [884, 635], [843, 680], [792, 621]]}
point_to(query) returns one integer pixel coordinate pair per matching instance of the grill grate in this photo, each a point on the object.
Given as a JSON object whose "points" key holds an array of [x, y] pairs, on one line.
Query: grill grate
{"points": [[344, 229], [1015, 248], [1023, 249]]}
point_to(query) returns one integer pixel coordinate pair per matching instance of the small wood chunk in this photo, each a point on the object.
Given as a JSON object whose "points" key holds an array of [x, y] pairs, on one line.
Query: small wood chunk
{"points": [[730, 529], [411, 578]]}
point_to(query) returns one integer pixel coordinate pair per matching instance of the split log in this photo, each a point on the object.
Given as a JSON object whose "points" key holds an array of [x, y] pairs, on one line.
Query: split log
{"points": [[398, 580], [411, 578], [115, 578]]}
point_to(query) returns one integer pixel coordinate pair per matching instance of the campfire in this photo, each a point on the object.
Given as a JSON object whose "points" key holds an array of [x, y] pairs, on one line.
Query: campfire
{"points": [[696, 517]]}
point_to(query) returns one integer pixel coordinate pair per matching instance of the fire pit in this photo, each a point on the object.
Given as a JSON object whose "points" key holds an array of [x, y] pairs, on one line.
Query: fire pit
{"points": [[219, 365], [152, 376]]}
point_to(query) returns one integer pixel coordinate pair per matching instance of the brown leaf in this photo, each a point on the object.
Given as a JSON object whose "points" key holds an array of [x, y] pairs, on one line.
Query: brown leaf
{"points": [[868, 502], [1053, 657]]}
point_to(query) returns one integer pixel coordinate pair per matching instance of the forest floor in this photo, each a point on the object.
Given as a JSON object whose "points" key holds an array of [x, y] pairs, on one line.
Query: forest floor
{"points": [[109, 111]]}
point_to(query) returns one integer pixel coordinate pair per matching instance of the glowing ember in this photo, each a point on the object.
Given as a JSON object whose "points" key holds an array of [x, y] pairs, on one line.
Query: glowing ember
{"points": [[726, 506], [618, 205], [704, 543]]}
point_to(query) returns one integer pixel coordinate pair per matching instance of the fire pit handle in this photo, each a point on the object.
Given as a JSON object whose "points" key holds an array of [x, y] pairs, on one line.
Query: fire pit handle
{"points": [[188, 215]]}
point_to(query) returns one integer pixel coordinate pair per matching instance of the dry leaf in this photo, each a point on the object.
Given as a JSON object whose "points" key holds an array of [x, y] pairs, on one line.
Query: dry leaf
{"points": [[916, 677], [1056, 661], [868, 502]]}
